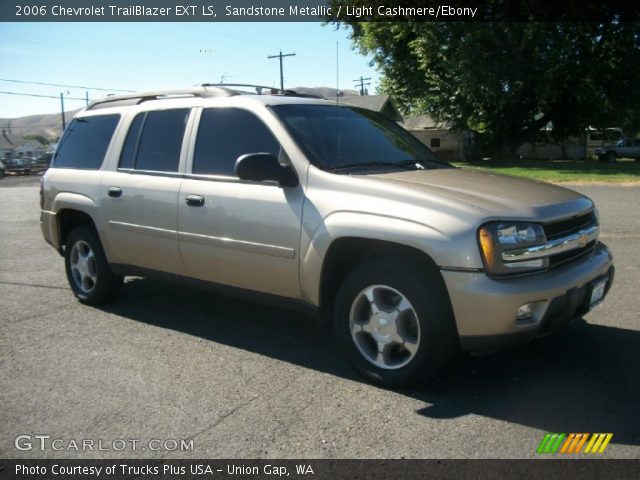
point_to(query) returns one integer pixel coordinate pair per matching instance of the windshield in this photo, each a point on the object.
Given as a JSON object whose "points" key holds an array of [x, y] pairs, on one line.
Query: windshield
{"points": [[342, 137]]}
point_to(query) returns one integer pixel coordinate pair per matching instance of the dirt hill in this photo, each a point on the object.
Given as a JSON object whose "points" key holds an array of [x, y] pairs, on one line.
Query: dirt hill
{"points": [[46, 125]]}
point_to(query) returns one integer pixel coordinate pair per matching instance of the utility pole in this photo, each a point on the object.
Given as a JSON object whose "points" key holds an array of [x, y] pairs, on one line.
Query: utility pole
{"points": [[361, 81], [280, 56], [64, 124], [86, 97]]}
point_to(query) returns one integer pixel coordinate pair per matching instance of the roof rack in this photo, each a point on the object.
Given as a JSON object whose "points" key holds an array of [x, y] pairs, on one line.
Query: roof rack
{"points": [[139, 97], [258, 89]]}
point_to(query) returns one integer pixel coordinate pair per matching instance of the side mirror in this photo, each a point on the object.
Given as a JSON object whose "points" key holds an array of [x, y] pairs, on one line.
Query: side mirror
{"points": [[258, 167]]}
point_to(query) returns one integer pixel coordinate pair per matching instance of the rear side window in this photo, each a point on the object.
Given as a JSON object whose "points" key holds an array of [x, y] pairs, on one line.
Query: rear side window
{"points": [[224, 134], [154, 141], [85, 142], [128, 156]]}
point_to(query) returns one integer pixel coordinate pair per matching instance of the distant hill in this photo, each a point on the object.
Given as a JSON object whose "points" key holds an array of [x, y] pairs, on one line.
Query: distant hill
{"points": [[46, 125], [50, 125]]}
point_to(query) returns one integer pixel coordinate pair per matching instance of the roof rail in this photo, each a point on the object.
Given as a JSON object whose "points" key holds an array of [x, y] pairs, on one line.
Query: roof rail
{"points": [[258, 89], [136, 98]]}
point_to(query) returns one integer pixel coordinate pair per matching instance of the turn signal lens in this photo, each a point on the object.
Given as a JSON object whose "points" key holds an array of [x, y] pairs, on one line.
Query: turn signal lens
{"points": [[486, 243]]}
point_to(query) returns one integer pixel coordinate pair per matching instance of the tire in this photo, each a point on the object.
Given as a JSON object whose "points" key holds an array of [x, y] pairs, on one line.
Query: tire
{"points": [[88, 272], [610, 157], [413, 308]]}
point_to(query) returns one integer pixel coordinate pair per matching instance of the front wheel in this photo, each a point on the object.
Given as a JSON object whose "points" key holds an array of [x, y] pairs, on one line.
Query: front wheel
{"points": [[394, 323], [87, 269]]}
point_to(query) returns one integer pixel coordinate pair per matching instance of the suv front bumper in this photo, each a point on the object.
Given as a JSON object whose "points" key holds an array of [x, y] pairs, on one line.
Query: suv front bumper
{"points": [[485, 308]]}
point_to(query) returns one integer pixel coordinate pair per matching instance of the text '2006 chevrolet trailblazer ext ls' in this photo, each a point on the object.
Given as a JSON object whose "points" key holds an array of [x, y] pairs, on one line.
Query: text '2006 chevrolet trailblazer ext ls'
{"points": [[330, 207]]}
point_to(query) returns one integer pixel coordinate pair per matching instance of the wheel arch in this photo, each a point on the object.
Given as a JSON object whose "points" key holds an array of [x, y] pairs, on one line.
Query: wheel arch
{"points": [[372, 233], [72, 210], [68, 219], [347, 253]]}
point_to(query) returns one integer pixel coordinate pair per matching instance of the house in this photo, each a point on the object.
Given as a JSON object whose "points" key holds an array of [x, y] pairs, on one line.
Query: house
{"points": [[29, 148], [439, 137], [378, 103]]}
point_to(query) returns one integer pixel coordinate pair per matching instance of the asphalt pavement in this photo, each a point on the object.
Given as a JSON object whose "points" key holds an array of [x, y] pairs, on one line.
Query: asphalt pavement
{"points": [[241, 380]]}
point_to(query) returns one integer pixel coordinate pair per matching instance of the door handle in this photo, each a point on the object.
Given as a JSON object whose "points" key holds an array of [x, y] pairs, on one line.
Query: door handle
{"points": [[115, 192], [195, 200]]}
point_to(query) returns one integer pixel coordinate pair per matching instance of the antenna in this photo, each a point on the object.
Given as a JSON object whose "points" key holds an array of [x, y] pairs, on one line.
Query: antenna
{"points": [[338, 136], [337, 73]]}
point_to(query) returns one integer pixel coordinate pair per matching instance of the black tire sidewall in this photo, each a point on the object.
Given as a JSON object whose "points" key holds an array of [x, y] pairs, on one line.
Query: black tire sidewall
{"points": [[431, 304]]}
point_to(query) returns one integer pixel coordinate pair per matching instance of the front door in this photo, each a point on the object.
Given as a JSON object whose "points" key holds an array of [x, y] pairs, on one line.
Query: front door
{"points": [[233, 232]]}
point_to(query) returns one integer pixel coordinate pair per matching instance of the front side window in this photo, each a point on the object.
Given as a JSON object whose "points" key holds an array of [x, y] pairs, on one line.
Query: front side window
{"points": [[224, 134], [154, 141], [335, 137], [85, 142]]}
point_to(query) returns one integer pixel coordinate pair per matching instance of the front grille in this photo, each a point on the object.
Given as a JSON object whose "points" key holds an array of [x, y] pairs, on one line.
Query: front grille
{"points": [[559, 258], [568, 226]]}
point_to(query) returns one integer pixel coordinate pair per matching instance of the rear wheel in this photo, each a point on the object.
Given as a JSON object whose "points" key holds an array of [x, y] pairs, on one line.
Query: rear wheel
{"points": [[394, 323], [87, 269]]}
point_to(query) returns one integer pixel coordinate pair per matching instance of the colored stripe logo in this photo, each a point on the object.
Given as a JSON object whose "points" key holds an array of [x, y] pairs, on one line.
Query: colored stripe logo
{"points": [[574, 443]]}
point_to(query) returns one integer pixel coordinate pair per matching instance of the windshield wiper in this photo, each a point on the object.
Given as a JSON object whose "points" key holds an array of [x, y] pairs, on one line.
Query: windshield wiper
{"points": [[406, 165]]}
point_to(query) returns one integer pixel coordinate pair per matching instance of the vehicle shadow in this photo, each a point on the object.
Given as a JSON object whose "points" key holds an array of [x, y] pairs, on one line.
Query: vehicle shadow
{"points": [[583, 379]]}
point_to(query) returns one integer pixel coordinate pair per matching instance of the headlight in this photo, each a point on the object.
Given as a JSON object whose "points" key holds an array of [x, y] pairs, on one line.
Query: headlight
{"points": [[497, 237]]}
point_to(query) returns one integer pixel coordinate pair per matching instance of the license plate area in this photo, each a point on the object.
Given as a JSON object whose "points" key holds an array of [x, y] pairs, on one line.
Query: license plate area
{"points": [[598, 289]]}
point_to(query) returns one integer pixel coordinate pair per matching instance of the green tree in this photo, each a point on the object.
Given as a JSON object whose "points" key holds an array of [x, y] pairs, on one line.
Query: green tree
{"points": [[508, 80], [40, 138]]}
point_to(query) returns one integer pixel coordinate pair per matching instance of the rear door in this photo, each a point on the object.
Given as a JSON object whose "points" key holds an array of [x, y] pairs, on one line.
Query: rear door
{"points": [[140, 199], [234, 232]]}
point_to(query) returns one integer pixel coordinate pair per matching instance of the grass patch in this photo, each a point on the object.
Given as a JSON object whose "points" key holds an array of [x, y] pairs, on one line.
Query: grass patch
{"points": [[588, 171]]}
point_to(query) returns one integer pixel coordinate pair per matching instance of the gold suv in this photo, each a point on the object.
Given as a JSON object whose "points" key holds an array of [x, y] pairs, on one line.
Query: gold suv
{"points": [[327, 207]]}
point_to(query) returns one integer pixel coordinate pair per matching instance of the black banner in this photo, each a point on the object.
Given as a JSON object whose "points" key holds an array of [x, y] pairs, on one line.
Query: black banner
{"points": [[569, 469], [317, 10]]}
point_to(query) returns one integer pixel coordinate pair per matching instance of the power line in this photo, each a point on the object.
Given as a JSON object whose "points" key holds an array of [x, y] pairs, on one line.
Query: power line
{"points": [[65, 86], [42, 96]]}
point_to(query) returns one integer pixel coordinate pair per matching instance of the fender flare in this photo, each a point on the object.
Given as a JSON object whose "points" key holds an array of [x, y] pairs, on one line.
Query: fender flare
{"points": [[359, 225]]}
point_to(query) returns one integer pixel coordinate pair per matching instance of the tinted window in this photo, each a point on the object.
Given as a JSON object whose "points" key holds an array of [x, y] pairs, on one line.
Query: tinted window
{"points": [[333, 136], [225, 134], [127, 158], [85, 142], [161, 140]]}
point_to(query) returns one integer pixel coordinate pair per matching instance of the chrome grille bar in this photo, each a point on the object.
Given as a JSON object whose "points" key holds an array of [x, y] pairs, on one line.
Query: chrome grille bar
{"points": [[574, 241]]}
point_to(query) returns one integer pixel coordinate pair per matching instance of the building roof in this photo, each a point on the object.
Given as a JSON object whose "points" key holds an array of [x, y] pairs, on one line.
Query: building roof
{"points": [[32, 143], [378, 103], [424, 122]]}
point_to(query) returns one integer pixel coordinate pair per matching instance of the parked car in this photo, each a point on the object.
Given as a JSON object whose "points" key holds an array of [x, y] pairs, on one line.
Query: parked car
{"points": [[40, 163], [2, 172], [17, 166], [334, 210], [624, 148]]}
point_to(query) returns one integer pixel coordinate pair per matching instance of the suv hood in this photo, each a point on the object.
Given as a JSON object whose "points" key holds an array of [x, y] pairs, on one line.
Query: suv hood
{"points": [[496, 195]]}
